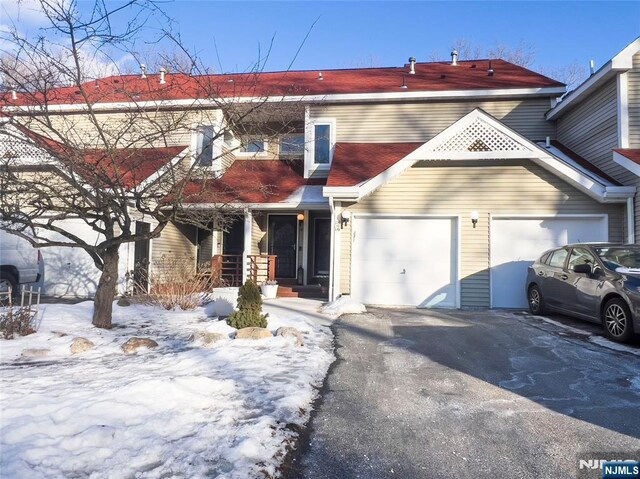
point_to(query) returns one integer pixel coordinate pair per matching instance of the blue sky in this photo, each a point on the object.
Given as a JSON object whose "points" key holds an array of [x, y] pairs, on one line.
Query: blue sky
{"points": [[349, 34], [383, 33]]}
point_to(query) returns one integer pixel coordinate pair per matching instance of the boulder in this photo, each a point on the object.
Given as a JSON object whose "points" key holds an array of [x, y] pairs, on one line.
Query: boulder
{"points": [[80, 345], [59, 334], [207, 339], [133, 344], [291, 332], [123, 302], [35, 353], [253, 333]]}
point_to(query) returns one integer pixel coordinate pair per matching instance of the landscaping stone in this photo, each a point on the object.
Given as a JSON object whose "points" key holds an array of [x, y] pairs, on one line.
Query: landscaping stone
{"points": [[253, 333], [133, 344], [291, 332], [35, 353], [123, 302], [80, 345], [59, 334], [207, 339]]}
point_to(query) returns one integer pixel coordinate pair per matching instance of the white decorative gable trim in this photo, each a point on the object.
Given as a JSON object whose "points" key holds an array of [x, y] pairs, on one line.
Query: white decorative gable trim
{"points": [[478, 136]]}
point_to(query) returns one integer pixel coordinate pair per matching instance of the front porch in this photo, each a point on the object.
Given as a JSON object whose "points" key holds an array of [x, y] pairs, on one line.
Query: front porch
{"points": [[291, 247]]}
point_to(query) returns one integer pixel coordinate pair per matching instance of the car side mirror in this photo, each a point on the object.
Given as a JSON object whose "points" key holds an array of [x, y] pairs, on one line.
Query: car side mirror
{"points": [[582, 268]]}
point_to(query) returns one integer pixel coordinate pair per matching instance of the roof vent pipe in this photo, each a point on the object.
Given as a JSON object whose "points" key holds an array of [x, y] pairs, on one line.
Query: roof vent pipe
{"points": [[547, 142], [412, 66], [320, 77], [490, 70], [592, 67], [14, 94], [454, 58], [163, 71], [143, 70]]}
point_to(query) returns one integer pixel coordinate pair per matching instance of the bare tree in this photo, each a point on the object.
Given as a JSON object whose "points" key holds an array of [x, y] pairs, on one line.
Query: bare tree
{"points": [[111, 169]]}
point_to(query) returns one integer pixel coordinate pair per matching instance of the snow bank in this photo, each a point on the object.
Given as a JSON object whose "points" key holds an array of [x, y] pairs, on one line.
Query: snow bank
{"points": [[176, 411], [343, 305]]}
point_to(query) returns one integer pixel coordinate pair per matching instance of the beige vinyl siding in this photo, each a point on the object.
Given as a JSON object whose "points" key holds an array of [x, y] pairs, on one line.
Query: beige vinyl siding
{"points": [[258, 233], [591, 129], [345, 258], [492, 188], [176, 240], [633, 78], [421, 121], [142, 130]]}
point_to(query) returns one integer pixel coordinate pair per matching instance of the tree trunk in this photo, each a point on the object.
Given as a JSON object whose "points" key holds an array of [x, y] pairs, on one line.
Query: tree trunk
{"points": [[103, 302]]}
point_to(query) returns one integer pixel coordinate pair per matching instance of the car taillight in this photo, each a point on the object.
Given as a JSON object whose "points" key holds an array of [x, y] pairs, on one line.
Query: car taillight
{"points": [[39, 257]]}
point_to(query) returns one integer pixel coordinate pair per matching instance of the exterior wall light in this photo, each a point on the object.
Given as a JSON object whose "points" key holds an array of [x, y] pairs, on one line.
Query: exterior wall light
{"points": [[474, 218], [345, 217], [300, 216]]}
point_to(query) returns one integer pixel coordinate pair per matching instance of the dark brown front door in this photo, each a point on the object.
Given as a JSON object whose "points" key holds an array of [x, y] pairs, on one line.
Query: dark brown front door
{"points": [[141, 259], [283, 240]]}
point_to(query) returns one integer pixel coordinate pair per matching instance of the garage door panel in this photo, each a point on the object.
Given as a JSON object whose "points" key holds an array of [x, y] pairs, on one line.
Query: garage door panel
{"points": [[517, 242], [401, 261]]}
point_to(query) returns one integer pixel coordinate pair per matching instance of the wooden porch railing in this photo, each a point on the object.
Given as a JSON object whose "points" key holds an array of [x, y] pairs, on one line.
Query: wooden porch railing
{"points": [[228, 268]]}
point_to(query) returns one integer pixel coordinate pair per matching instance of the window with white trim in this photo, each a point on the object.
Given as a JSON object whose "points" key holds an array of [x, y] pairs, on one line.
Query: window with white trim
{"points": [[253, 145], [292, 144], [322, 144], [204, 146]]}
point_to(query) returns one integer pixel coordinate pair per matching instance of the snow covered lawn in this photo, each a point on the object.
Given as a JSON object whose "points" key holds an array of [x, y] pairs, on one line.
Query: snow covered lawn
{"points": [[180, 410]]}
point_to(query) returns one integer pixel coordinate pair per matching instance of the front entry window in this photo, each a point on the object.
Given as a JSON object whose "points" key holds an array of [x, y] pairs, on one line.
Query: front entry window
{"points": [[322, 245]]}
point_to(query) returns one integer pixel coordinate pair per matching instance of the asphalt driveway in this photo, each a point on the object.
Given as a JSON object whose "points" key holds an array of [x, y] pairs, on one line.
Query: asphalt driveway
{"points": [[463, 394]]}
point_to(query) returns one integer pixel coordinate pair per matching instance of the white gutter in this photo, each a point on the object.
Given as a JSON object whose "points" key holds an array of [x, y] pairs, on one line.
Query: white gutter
{"points": [[625, 162], [335, 97]]}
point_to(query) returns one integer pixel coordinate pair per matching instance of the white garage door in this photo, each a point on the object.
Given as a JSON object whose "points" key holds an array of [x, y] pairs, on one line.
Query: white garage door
{"points": [[70, 271], [405, 261], [517, 242]]}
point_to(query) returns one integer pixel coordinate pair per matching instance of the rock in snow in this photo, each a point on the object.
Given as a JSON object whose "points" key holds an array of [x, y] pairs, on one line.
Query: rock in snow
{"points": [[80, 345], [207, 339], [253, 333], [291, 332], [133, 344], [35, 353]]}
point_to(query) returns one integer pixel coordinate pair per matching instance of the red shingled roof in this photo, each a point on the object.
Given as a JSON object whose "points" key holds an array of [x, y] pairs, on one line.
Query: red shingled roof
{"points": [[251, 181], [429, 77], [354, 163], [128, 167], [630, 153], [583, 162]]}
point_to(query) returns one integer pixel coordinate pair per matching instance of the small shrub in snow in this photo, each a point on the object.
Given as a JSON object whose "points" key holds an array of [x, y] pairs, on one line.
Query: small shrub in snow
{"points": [[249, 312], [174, 284], [21, 321]]}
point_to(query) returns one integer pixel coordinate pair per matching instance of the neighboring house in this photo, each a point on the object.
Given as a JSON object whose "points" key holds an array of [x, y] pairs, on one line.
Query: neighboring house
{"points": [[430, 184], [600, 120]]}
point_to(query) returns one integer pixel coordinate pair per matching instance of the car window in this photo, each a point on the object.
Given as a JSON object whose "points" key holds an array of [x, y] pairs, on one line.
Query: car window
{"points": [[545, 258], [625, 257], [558, 257], [581, 256]]}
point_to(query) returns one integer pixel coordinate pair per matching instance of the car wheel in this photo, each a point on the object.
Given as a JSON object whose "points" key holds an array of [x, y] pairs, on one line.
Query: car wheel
{"points": [[7, 281], [536, 303], [616, 318]]}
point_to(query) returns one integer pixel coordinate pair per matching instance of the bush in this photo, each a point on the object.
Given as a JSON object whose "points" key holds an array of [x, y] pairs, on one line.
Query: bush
{"points": [[249, 312], [173, 283], [21, 321]]}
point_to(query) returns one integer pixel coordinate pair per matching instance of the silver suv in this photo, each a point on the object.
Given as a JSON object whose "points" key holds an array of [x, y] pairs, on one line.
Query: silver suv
{"points": [[19, 262]]}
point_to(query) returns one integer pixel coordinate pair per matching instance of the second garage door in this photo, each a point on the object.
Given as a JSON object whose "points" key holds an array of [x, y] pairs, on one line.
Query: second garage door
{"points": [[405, 261], [517, 242]]}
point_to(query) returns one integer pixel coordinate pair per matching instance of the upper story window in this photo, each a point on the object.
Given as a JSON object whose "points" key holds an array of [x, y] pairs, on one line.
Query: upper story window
{"points": [[322, 144], [320, 136], [292, 144], [204, 146], [253, 145]]}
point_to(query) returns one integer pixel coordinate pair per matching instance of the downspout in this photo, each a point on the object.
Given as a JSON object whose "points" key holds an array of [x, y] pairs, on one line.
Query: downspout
{"points": [[631, 235], [246, 251], [331, 248]]}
